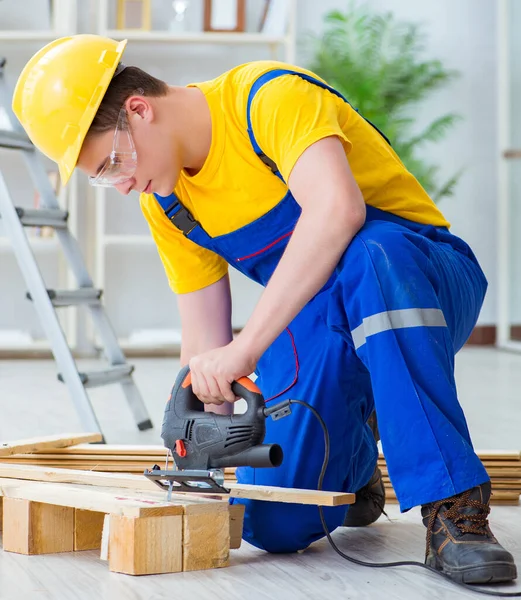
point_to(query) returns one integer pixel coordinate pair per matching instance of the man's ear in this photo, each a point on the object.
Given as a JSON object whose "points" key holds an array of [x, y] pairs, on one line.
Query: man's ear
{"points": [[141, 107]]}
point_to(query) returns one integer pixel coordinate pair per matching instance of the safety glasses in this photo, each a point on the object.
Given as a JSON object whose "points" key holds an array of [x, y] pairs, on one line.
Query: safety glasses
{"points": [[122, 162]]}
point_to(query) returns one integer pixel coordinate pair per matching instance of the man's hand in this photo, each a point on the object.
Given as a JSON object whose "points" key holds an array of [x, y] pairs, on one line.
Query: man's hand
{"points": [[214, 371]]}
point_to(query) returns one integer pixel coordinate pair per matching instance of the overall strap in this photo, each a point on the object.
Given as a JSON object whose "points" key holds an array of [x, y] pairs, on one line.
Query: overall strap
{"points": [[269, 76], [180, 216]]}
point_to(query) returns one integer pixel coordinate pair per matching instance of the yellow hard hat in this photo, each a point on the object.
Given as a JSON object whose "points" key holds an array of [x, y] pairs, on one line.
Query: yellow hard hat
{"points": [[59, 91]]}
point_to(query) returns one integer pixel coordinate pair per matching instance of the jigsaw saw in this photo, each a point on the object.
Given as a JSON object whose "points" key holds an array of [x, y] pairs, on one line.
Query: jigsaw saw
{"points": [[203, 443]]}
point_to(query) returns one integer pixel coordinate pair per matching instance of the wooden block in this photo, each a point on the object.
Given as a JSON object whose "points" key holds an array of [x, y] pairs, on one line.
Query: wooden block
{"points": [[146, 545], [206, 537], [104, 553], [88, 527], [236, 525], [35, 528]]}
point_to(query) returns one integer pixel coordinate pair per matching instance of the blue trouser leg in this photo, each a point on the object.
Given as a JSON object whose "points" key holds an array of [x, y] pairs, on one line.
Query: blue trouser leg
{"points": [[335, 382], [409, 303]]}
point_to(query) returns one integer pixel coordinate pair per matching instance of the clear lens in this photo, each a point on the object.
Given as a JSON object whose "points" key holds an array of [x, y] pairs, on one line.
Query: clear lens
{"points": [[122, 162]]}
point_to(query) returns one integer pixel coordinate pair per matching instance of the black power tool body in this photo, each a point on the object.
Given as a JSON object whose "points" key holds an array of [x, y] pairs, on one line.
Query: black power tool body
{"points": [[204, 443]]}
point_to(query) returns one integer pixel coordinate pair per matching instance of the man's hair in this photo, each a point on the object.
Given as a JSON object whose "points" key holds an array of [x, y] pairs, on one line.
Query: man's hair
{"points": [[126, 82]]}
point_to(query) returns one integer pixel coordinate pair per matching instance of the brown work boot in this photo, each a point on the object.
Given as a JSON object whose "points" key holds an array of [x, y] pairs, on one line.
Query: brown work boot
{"points": [[370, 500], [459, 540], [369, 504]]}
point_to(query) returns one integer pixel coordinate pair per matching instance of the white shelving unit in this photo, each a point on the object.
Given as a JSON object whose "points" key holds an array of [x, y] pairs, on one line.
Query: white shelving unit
{"points": [[273, 42], [136, 244], [63, 22], [509, 183], [119, 253], [21, 321]]}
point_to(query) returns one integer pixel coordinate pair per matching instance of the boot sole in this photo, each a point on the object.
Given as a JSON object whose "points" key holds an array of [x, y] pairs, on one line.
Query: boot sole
{"points": [[493, 572]]}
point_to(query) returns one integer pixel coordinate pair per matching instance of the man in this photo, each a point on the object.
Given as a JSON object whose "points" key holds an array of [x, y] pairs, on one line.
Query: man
{"points": [[367, 298]]}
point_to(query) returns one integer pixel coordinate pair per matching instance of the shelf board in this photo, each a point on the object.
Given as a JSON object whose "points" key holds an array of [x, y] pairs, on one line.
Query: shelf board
{"points": [[127, 240], [35, 345], [37, 244], [203, 37], [14, 35]]}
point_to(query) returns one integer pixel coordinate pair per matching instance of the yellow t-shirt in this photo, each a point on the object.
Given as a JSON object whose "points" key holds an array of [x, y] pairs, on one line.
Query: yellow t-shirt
{"points": [[234, 187]]}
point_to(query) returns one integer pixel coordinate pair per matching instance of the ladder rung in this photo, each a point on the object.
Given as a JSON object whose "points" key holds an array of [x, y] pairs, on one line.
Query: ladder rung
{"points": [[15, 140], [115, 374], [43, 217], [73, 297]]}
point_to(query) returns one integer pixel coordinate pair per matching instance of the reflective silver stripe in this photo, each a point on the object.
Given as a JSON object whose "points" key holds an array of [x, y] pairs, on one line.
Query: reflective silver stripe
{"points": [[397, 319]]}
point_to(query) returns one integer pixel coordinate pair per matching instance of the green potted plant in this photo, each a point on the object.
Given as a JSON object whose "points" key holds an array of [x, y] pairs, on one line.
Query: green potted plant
{"points": [[375, 61]]}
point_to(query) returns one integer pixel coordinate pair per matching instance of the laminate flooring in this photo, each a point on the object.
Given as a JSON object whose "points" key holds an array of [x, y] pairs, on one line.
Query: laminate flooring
{"points": [[34, 403]]}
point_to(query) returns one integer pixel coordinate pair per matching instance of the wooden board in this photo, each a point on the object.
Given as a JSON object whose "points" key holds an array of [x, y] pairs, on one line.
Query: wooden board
{"points": [[136, 482], [116, 502], [299, 496], [49, 441], [119, 449]]}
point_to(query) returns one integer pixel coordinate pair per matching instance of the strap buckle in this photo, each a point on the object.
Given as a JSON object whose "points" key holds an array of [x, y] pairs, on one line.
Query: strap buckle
{"points": [[184, 220]]}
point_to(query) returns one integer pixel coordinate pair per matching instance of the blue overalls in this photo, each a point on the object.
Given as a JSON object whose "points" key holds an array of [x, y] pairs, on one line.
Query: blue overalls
{"points": [[382, 333]]}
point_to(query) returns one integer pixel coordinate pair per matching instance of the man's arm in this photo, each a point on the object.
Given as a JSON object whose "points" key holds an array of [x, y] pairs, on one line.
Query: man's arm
{"points": [[333, 210], [206, 324]]}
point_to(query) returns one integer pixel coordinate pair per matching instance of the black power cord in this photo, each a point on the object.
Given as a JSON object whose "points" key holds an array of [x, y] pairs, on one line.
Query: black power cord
{"points": [[403, 563]]}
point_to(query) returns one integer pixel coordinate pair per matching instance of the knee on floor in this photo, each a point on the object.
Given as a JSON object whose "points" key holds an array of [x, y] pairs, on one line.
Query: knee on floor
{"points": [[286, 528]]}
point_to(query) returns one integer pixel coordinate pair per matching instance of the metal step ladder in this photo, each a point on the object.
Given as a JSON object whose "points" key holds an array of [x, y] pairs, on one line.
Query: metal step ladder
{"points": [[45, 301]]}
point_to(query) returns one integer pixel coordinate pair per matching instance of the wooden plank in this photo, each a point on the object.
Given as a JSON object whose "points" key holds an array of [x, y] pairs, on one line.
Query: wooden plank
{"points": [[82, 458], [502, 473], [206, 537], [236, 525], [80, 467], [114, 449], [35, 528], [136, 482], [110, 501], [88, 528], [49, 441], [27, 472], [278, 494], [146, 546]]}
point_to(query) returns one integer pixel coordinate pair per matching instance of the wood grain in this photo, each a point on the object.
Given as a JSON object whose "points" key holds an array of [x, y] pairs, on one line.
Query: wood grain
{"points": [[276, 494], [146, 546], [206, 538], [49, 441], [236, 525], [237, 490], [35, 528], [88, 528], [118, 503]]}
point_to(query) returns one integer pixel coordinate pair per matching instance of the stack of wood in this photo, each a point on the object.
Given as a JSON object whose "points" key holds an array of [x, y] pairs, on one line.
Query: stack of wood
{"points": [[110, 458], [504, 467], [46, 510]]}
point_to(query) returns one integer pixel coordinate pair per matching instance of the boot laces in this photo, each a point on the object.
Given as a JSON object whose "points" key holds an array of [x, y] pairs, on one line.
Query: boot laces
{"points": [[467, 523]]}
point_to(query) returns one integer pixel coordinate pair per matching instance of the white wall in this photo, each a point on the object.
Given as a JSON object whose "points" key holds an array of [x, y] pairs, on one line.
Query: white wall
{"points": [[461, 33]]}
